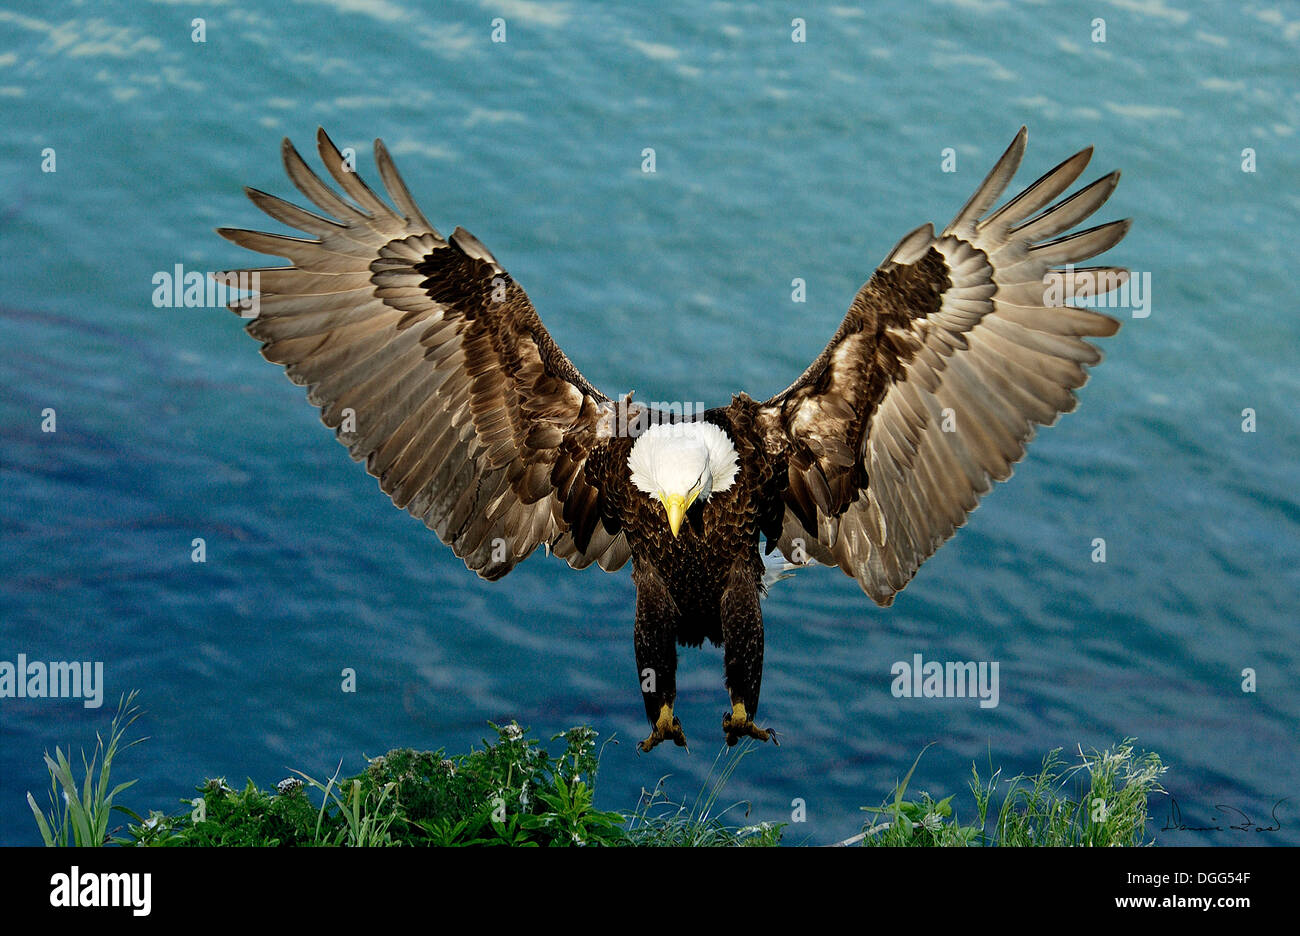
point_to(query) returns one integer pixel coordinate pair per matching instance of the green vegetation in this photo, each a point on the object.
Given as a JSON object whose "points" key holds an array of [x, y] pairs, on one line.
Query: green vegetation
{"points": [[512, 792], [660, 822], [1108, 806], [83, 820], [515, 792]]}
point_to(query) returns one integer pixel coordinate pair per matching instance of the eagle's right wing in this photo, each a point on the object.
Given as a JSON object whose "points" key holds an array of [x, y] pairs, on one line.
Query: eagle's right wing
{"points": [[430, 363]]}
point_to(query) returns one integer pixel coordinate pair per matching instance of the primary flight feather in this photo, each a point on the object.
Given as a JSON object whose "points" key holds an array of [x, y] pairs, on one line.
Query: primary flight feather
{"points": [[431, 364]]}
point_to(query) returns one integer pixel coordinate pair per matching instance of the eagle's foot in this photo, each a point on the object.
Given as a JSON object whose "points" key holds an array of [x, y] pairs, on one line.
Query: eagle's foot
{"points": [[737, 724], [666, 727]]}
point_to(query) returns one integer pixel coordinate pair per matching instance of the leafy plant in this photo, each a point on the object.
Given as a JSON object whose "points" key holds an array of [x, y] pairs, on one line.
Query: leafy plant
{"points": [[1110, 808], [83, 820], [366, 815], [1109, 805]]}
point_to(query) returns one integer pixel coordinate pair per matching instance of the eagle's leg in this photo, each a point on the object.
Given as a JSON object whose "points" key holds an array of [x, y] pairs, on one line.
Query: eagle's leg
{"points": [[742, 638], [656, 657]]}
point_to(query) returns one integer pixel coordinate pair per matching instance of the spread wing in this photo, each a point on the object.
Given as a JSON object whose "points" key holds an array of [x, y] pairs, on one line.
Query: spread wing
{"points": [[431, 364], [950, 356]]}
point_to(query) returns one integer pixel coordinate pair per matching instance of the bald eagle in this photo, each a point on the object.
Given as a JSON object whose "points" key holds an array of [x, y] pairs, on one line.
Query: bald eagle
{"points": [[430, 363]]}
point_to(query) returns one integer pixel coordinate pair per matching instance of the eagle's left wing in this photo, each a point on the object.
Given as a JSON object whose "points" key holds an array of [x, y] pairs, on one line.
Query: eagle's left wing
{"points": [[933, 385]]}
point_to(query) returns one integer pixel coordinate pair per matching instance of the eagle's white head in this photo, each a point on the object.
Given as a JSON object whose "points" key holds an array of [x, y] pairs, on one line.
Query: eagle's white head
{"points": [[676, 463]]}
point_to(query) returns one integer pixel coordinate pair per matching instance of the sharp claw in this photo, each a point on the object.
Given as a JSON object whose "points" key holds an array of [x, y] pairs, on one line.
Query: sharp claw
{"points": [[738, 724], [667, 726]]}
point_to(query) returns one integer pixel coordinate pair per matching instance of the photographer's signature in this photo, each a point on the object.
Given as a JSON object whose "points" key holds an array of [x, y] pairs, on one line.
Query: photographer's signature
{"points": [[1239, 819]]}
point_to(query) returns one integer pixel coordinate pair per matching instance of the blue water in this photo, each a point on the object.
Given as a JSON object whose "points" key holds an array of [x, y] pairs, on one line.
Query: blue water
{"points": [[775, 160]]}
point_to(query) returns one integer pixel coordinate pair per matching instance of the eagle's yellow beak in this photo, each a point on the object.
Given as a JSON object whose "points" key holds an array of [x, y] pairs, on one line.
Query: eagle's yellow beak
{"points": [[676, 506]]}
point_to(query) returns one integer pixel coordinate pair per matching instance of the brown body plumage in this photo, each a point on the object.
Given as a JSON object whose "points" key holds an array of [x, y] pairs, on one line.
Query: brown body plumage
{"points": [[431, 364]]}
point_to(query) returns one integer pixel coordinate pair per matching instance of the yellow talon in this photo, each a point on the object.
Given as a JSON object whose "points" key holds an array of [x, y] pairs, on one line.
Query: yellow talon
{"points": [[666, 726], [737, 724]]}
